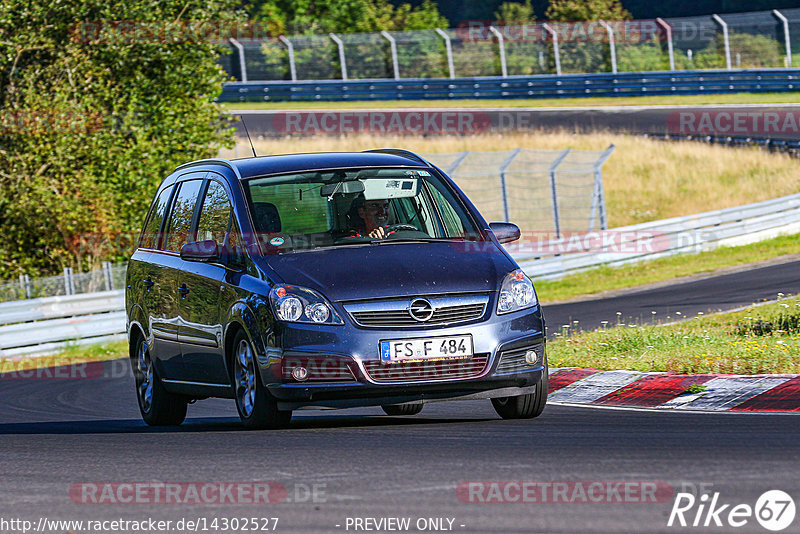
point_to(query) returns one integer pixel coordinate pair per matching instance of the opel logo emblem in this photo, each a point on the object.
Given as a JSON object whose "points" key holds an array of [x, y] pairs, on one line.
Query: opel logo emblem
{"points": [[421, 310]]}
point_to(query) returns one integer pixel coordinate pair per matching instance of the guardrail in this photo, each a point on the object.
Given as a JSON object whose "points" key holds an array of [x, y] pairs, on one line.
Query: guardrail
{"points": [[537, 86], [694, 233], [38, 326]]}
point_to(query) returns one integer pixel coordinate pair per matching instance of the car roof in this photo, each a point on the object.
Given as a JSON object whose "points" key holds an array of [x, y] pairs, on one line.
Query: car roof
{"points": [[263, 165]]}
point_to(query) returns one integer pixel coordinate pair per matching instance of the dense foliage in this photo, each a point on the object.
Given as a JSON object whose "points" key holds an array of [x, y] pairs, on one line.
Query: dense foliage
{"points": [[92, 116]]}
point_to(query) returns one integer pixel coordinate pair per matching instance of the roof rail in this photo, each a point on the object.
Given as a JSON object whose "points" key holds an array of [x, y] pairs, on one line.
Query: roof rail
{"points": [[399, 152]]}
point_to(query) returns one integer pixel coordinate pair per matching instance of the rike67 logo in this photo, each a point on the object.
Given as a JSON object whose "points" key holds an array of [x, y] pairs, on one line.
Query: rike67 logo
{"points": [[774, 510]]}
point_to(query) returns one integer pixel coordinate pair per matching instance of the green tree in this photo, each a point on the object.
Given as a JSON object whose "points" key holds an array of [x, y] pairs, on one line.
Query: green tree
{"points": [[572, 10], [318, 58], [515, 12], [347, 16], [93, 115], [579, 52]]}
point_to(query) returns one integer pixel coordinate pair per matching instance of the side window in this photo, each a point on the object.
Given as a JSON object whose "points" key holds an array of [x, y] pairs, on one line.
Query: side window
{"points": [[149, 237], [452, 221], [215, 215], [180, 219]]}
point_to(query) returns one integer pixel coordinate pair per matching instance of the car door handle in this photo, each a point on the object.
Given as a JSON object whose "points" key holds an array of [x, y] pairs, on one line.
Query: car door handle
{"points": [[148, 283], [183, 290]]}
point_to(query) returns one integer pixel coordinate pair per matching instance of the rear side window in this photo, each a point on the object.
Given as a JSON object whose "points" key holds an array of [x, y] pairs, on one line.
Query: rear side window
{"points": [[180, 219], [215, 215], [149, 237]]}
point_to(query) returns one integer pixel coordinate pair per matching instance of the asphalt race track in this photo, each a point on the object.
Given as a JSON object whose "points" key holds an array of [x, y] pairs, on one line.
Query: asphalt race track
{"points": [[652, 120], [676, 301], [363, 464], [56, 435]]}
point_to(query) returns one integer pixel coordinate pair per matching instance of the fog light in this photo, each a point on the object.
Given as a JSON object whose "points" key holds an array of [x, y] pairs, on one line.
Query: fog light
{"points": [[531, 356], [300, 374]]}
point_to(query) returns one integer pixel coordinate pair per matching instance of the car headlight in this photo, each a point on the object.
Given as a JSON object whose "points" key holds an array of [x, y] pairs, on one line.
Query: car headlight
{"points": [[516, 293], [300, 305]]}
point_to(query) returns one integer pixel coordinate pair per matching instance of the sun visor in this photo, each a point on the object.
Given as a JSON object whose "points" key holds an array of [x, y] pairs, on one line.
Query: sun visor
{"points": [[378, 188]]}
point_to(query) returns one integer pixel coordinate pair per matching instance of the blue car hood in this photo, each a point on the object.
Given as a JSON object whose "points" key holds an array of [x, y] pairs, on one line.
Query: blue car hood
{"points": [[394, 269]]}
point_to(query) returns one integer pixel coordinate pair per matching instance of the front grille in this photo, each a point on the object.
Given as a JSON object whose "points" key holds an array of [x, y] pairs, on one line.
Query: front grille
{"points": [[447, 309], [513, 360], [445, 314], [426, 369]]}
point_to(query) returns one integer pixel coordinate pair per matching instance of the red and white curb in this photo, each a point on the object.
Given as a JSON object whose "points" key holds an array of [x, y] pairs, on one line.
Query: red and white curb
{"points": [[639, 389]]}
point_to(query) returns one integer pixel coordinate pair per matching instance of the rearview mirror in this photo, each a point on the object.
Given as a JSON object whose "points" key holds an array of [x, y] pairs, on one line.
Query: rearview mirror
{"points": [[344, 188], [202, 251], [505, 232]]}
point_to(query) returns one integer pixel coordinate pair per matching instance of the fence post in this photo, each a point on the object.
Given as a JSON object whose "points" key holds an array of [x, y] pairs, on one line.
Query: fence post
{"points": [[598, 196], [69, 285], [23, 286], [27, 281], [611, 45], [670, 50], [453, 166], [503, 189], [553, 191], [242, 64], [785, 36], [556, 53], [393, 48], [290, 51], [724, 26], [501, 45], [342, 60], [449, 49], [107, 275]]}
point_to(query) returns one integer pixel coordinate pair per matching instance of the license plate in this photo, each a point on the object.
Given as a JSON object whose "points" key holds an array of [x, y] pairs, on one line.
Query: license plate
{"points": [[426, 348]]}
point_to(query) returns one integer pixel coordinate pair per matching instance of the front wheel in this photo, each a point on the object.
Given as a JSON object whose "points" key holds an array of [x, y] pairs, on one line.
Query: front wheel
{"points": [[158, 406], [257, 409], [524, 406]]}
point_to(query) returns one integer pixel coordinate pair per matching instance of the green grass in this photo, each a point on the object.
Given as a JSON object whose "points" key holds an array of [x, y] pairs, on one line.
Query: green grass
{"points": [[722, 343], [73, 354], [599, 280], [736, 98]]}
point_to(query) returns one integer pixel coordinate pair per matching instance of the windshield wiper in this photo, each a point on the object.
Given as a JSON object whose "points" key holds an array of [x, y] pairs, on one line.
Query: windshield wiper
{"points": [[386, 240]]}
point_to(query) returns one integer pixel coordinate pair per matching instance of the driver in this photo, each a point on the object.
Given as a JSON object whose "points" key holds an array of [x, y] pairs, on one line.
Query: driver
{"points": [[372, 217]]}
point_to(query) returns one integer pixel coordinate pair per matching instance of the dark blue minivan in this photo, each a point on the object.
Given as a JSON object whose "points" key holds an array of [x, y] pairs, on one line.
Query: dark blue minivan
{"points": [[328, 280]]}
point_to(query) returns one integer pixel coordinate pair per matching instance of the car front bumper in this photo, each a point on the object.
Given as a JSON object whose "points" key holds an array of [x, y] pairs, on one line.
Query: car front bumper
{"points": [[493, 339]]}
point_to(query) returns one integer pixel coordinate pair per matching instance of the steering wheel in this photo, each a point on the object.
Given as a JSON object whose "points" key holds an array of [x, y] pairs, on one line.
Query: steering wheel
{"points": [[401, 227]]}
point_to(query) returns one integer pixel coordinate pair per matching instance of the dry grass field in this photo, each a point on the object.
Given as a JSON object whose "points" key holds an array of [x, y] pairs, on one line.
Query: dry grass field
{"points": [[645, 179]]}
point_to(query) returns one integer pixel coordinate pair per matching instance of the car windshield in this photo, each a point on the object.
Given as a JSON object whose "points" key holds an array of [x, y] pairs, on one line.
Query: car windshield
{"points": [[359, 206]]}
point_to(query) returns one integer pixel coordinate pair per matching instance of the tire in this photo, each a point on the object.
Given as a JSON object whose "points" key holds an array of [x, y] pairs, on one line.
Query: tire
{"points": [[403, 409], [257, 408], [158, 406], [524, 406]]}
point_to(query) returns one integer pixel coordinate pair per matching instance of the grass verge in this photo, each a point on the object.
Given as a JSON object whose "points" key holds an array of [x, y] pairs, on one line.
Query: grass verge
{"points": [[732, 99], [760, 339], [71, 355], [602, 279]]}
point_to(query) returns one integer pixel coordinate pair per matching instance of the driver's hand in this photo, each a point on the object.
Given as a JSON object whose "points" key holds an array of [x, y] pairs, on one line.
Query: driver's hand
{"points": [[378, 233]]}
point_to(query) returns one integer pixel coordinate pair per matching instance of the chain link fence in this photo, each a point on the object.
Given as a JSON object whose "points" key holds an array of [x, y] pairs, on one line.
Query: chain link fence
{"points": [[741, 40], [108, 278]]}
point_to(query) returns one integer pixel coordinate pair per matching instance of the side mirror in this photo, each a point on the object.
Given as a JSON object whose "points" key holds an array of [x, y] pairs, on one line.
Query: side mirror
{"points": [[505, 232], [202, 251]]}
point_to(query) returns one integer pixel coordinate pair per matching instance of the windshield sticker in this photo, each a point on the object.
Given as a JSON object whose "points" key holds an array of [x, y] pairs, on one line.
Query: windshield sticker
{"points": [[276, 241]]}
